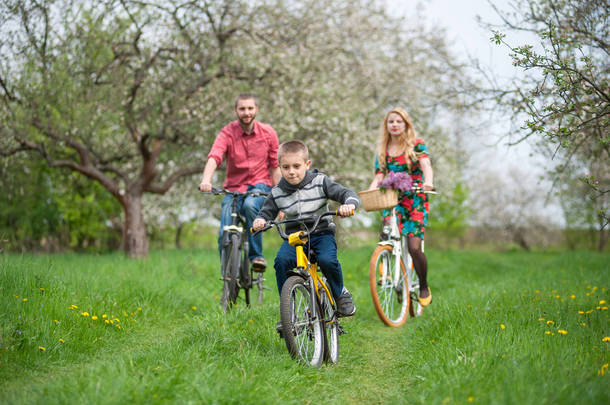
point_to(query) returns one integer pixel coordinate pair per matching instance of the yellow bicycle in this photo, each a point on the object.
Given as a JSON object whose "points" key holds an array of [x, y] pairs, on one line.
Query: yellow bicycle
{"points": [[309, 318]]}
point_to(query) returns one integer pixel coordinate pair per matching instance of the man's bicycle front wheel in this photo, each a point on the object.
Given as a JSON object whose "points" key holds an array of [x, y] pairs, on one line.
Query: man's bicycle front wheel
{"points": [[301, 324], [391, 299], [230, 270]]}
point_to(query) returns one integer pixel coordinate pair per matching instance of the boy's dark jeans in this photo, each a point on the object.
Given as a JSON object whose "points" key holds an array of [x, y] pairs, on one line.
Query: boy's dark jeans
{"points": [[325, 247]]}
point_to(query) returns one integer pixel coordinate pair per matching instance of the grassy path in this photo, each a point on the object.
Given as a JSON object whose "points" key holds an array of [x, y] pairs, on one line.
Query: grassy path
{"points": [[504, 328]]}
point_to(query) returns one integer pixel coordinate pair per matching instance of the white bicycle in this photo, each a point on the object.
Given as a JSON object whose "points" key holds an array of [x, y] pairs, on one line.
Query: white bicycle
{"points": [[392, 278]]}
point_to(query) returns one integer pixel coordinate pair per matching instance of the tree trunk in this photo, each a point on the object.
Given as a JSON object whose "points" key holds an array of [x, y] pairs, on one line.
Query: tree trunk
{"points": [[135, 241], [178, 235], [603, 239]]}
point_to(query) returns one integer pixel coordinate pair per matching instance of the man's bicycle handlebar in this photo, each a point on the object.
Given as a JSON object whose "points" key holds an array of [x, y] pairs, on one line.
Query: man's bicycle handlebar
{"points": [[218, 191]]}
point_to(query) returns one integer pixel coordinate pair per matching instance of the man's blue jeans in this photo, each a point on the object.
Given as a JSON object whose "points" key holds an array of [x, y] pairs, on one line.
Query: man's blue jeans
{"points": [[325, 247], [248, 207]]}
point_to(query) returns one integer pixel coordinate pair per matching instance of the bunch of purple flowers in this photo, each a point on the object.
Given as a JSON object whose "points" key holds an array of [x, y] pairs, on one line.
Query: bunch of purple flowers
{"points": [[397, 180]]}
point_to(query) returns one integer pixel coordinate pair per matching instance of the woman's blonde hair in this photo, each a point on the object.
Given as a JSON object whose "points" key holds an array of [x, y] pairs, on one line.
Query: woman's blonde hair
{"points": [[406, 139]]}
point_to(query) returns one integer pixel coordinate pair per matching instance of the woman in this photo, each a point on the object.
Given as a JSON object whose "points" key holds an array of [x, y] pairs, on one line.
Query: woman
{"points": [[400, 150]]}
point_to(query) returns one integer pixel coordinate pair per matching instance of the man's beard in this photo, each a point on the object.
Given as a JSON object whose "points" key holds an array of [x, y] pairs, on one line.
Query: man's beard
{"points": [[244, 124]]}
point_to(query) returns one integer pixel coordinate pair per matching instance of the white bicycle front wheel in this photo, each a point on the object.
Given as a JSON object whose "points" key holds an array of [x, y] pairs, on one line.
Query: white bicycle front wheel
{"points": [[391, 300]]}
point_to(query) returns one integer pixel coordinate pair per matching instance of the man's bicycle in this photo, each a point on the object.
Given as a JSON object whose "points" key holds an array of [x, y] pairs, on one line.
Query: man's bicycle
{"points": [[309, 317], [392, 278], [236, 271]]}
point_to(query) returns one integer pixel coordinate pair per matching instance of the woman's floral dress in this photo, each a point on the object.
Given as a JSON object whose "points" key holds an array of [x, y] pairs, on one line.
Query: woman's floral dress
{"points": [[412, 208]]}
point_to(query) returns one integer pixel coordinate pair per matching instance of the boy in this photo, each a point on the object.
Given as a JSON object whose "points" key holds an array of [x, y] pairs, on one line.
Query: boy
{"points": [[303, 192]]}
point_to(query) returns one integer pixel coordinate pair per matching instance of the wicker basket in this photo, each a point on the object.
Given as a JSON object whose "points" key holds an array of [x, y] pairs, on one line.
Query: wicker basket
{"points": [[375, 200]]}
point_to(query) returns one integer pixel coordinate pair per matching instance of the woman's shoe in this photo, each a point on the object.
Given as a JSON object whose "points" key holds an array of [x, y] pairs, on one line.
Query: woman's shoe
{"points": [[426, 301]]}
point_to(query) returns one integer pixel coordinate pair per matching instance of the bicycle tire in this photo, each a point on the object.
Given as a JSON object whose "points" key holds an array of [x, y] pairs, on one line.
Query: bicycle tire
{"points": [[331, 329], [230, 263], [415, 308], [301, 325], [245, 278], [390, 303]]}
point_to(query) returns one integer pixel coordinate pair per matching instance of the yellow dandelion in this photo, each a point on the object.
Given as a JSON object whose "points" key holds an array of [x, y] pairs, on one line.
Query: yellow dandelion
{"points": [[581, 312], [61, 341], [549, 322], [55, 320], [107, 321], [25, 300], [117, 320], [547, 332], [602, 302], [84, 313], [583, 324], [537, 291], [41, 348], [598, 308], [41, 289], [73, 306], [606, 339], [94, 317], [541, 319], [125, 314], [194, 308], [594, 288], [589, 311], [139, 308], [572, 296], [588, 294], [251, 321], [502, 326], [118, 326], [470, 399], [604, 308], [561, 331], [104, 316], [557, 296]]}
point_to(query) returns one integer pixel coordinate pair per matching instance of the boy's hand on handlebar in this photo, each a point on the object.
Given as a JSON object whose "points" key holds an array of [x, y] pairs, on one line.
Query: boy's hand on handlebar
{"points": [[346, 210], [205, 187], [258, 224]]}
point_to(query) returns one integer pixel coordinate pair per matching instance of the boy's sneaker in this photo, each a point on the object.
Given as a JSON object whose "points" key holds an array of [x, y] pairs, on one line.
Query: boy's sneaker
{"points": [[345, 304]]}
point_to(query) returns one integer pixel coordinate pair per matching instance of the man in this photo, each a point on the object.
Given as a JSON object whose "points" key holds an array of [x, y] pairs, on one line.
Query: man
{"points": [[250, 149]]}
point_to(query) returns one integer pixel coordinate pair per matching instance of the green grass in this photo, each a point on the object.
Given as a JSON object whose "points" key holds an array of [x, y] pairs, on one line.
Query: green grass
{"points": [[491, 335]]}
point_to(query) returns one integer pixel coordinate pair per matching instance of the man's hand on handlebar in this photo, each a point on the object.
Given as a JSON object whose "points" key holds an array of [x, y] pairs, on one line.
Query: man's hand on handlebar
{"points": [[346, 210], [205, 187]]}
